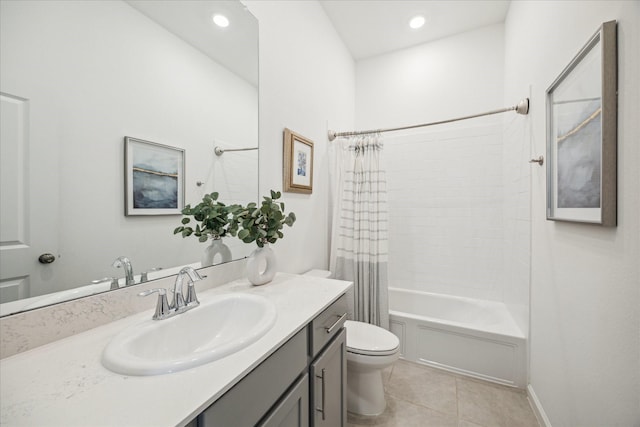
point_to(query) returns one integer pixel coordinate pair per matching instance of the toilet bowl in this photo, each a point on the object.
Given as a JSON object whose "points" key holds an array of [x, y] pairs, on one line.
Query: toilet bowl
{"points": [[370, 349]]}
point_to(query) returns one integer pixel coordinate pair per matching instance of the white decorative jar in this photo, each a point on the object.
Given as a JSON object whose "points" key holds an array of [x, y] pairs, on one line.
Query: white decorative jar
{"points": [[261, 265], [216, 248]]}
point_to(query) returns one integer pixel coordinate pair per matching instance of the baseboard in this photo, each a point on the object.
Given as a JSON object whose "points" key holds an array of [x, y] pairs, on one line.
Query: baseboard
{"points": [[538, 410]]}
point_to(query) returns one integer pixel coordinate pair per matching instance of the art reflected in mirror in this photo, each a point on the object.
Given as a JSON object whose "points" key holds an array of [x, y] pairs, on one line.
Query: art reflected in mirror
{"points": [[581, 135], [68, 104], [154, 178]]}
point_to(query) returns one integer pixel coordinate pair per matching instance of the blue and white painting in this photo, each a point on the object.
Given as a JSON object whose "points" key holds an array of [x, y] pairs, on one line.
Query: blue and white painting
{"points": [[579, 155], [155, 177], [302, 164]]}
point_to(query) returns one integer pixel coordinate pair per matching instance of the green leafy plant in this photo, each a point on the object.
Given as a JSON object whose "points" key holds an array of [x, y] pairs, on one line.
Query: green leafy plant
{"points": [[215, 219], [263, 224]]}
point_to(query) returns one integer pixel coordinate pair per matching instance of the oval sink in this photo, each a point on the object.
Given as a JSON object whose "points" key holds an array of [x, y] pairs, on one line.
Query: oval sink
{"points": [[218, 327]]}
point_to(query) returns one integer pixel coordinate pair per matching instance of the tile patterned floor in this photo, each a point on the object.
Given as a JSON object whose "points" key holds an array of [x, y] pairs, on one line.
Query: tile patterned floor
{"points": [[419, 396]]}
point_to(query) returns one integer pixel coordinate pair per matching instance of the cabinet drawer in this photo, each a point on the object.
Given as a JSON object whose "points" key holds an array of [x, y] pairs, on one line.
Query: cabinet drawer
{"points": [[249, 400], [327, 324]]}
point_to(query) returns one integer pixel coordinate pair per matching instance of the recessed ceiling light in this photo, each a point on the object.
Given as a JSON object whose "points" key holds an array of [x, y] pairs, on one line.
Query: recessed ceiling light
{"points": [[417, 22], [221, 20]]}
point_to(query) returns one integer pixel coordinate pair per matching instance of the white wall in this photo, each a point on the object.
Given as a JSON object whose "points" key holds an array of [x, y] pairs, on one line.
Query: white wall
{"points": [[445, 182], [306, 84], [585, 289]]}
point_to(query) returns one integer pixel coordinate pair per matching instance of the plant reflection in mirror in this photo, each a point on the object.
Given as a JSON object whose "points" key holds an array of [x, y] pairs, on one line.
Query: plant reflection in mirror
{"points": [[216, 220]]}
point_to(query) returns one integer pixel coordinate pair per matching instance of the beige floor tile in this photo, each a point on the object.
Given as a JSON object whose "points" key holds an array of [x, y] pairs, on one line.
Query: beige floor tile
{"points": [[493, 405], [516, 409], [420, 396], [423, 386], [478, 403], [464, 423], [400, 413]]}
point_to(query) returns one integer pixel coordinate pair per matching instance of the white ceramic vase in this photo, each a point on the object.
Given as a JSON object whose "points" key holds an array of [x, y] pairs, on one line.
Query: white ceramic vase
{"points": [[261, 265], [216, 248]]}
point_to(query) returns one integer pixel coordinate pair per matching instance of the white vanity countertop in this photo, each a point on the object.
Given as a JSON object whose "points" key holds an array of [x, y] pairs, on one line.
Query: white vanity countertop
{"points": [[65, 384]]}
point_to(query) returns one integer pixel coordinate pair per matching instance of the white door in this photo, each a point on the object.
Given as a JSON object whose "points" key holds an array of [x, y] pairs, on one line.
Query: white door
{"points": [[26, 175]]}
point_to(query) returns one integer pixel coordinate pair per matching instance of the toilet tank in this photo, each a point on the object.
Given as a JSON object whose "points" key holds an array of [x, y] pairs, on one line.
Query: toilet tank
{"points": [[325, 274]]}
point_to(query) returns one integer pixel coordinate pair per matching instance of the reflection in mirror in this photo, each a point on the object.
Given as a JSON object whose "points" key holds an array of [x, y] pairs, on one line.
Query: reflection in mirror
{"points": [[76, 78]]}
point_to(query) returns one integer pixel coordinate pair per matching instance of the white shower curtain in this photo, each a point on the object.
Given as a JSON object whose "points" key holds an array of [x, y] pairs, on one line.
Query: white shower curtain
{"points": [[359, 228]]}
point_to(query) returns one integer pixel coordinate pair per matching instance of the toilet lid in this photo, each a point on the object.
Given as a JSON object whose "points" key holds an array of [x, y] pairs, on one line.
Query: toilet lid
{"points": [[363, 338]]}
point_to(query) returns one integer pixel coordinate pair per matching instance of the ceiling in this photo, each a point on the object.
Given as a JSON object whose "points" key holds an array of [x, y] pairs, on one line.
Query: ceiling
{"points": [[373, 27], [235, 47]]}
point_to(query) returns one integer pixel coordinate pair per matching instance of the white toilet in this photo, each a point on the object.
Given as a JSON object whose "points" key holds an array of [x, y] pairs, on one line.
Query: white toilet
{"points": [[370, 349]]}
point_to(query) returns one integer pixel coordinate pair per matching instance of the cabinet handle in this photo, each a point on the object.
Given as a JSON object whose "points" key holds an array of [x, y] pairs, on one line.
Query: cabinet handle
{"points": [[321, 410], [332, 327]]}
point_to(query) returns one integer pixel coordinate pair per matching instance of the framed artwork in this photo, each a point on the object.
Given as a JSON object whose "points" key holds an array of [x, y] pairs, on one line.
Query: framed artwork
{"points": [[582, 135], [154, 178], [298, 163]]}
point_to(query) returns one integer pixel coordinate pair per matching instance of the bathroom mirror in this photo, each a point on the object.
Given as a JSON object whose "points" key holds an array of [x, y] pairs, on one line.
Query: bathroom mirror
{"points": [[76, 79]]}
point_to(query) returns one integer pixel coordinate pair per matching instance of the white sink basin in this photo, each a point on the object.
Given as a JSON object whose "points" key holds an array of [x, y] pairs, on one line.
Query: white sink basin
{"points": [[218, 327]]}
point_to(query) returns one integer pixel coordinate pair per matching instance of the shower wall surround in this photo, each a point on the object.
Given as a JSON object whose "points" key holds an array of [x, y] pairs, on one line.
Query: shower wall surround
{"points": [[516, 151], [445, 210], [446, 183]]}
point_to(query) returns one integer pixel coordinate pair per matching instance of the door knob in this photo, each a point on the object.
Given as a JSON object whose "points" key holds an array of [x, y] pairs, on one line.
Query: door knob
{"points": [[46, 258]]}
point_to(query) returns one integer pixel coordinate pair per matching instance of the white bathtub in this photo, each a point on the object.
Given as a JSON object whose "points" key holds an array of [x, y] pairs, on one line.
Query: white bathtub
{"points": [[467, 336]]}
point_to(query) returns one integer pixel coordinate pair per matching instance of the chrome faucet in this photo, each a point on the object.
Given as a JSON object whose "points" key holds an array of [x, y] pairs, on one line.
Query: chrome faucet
{"points": [[123, 261], [180, 303]]}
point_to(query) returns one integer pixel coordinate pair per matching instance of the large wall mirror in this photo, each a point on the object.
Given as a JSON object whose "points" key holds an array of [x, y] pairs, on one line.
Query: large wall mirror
{"points": [[76, 78]]}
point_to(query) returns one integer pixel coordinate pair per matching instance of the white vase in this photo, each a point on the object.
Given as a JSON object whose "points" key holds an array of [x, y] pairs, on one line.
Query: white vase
{"points": [[261, 265], [214, 249]]}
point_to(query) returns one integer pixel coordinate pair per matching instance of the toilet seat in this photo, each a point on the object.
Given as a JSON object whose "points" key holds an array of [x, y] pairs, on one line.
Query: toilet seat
{"points": [[370, 340]]}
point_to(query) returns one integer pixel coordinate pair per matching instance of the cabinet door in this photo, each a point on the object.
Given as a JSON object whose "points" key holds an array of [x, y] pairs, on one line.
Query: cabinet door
{"points": [[329, 391], [249, 400], [293, 408]]}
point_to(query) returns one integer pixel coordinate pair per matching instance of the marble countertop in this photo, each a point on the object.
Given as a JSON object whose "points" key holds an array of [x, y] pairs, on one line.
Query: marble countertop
{"points": [[64, 383]]}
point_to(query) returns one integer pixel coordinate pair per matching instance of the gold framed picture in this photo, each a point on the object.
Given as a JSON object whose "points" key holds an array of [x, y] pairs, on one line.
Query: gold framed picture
{"points": [[298, 163]]}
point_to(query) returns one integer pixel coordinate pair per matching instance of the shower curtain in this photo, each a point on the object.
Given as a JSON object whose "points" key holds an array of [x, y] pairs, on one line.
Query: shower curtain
{"points": [[359, 228]]}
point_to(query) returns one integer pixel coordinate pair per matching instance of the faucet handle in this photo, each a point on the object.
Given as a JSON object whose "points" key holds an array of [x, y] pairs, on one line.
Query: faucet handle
{"points": [[113, 280], [192, 299], [178, 303], [144, 277], [163, 310]]}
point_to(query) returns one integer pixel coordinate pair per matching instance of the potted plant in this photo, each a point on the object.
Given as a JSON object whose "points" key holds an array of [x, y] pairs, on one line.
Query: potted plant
{"points": [[263, 225], [215, 221]]}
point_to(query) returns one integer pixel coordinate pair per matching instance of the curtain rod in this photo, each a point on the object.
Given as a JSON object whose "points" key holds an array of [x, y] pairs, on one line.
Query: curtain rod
{"points": [[219, 150], [521, 108]]}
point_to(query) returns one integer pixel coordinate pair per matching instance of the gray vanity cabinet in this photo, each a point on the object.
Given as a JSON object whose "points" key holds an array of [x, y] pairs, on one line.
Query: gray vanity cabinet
{"points": [[302, 384], [329, 391], [328, 368], [249, 401], [293, 409]]}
